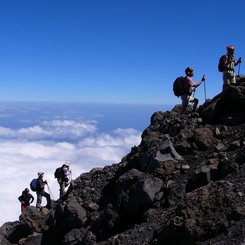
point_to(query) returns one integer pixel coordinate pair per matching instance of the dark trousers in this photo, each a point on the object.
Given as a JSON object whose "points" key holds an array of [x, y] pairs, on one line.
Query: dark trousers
{"points": [[41, 194], [23, 206]]}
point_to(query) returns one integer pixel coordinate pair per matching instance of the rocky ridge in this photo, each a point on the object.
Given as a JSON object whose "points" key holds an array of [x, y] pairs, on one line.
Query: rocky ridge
{"points": [[183, 184]]}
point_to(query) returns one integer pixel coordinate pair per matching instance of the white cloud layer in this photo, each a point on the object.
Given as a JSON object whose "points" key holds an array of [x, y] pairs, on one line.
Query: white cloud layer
{"points": [[56, 129], [43, 147]]}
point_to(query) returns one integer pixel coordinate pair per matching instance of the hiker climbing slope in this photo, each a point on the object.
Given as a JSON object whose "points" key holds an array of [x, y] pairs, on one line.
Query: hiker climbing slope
{"points": [[40, 191], [62, 174], [186, 95], [227, 65]]}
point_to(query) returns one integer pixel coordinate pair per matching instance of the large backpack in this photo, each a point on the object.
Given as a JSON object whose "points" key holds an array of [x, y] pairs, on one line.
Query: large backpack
{"points": [[33, 185], [59, 173], [221, 66], [181, 86]]}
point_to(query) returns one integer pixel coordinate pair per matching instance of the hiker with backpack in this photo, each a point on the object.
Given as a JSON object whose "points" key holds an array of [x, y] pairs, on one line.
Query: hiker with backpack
{"points": [[25, 199], [40, 186], [183, 88], [227, 65], [62, 174]]}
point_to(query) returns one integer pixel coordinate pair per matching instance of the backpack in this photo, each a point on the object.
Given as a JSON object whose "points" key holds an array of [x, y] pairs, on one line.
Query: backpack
{"points": [[33, 185], [221, 66], [59, 173], [181, 86]]}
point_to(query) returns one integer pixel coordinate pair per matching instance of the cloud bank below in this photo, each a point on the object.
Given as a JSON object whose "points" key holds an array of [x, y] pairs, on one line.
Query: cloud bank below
{"points": [[43, 147]]}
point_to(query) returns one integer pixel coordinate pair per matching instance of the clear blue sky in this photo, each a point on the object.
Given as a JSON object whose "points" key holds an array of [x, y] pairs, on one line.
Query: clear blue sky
{"points": [[115, 51]]}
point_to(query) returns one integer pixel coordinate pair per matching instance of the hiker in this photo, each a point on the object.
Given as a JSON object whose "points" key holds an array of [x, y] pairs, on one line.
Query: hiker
{"points": [[25, 199], [62, 174], [186, 98], [228, 64], [40, 191]]}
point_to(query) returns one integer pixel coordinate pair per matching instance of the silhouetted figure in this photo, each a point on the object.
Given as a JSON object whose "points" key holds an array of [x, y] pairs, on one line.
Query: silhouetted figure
{"points": [[25, 199]]}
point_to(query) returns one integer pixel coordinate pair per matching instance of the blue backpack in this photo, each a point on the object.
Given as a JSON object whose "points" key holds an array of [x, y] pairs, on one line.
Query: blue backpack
{"points": [[33, 185]]}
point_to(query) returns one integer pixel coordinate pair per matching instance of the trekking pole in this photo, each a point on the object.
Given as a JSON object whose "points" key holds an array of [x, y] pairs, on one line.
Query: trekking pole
{"points": [[194, 91], [239, 70], [239, 64], [205, 89], [50, 192], [71, 176]]}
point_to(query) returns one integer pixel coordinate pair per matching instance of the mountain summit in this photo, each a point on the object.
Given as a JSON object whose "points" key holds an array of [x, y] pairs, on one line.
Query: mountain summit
{"points": [[183, 184]]}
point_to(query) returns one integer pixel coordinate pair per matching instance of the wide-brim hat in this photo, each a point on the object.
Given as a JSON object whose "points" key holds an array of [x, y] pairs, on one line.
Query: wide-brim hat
{"points": [[40, 173], [67, 164]]}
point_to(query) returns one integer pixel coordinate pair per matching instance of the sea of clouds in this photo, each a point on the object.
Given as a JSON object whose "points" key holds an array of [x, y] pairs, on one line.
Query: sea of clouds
{"points": [[42, 143], [26, 151]]}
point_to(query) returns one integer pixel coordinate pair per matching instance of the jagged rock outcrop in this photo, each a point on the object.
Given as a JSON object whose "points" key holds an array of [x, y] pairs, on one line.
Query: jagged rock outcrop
{"points": [[227, 107], [183, 184]]}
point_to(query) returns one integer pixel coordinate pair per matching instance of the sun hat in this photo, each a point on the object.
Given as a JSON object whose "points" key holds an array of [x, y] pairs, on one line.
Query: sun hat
{"points": [[67, 164]]}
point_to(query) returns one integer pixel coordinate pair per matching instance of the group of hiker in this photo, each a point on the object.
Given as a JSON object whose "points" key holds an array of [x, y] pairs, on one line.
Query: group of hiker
{"points": [[184, 86], [63, 175]]}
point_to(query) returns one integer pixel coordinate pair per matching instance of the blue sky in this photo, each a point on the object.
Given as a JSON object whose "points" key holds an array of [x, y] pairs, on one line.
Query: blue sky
{"points": [[113, 51], [99, 51]]}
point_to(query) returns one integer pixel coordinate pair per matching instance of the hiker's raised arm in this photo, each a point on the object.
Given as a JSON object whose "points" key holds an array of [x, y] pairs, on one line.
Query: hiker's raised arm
{"points": [[239, 61], [200, 82]]}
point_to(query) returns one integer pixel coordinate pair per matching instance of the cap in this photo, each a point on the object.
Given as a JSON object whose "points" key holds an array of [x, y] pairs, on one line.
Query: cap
{"points": [[40, 173], [67, 163], [230, 47], [189, 69]]}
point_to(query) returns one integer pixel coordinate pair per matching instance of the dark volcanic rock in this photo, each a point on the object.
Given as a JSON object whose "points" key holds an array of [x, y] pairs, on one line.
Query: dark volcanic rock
{"points": [[183, 184], [136, 192], [227, 107]]}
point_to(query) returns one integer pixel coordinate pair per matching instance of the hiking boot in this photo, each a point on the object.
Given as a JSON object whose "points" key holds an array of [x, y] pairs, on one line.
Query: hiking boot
{"points": [[50, 204]]}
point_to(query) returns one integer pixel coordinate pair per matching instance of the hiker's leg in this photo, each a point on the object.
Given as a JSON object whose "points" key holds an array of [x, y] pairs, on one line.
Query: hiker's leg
{"points": [[47, 196], [22, 207], [39, 199], [185, 100], [233, 80], [195, 102], [225, 81], [62, 188], [228, 80]]}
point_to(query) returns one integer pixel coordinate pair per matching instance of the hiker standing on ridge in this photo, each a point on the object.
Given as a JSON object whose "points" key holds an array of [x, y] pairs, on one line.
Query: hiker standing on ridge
{"points": [[228, 64], [26, 199], [40, 191], [62, 174], [186, 98]]}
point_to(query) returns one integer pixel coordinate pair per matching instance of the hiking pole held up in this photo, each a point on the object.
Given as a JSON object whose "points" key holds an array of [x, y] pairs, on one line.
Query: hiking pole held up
{"points": [[204, 78], [50, 191], [194, 91], [240, 61]]}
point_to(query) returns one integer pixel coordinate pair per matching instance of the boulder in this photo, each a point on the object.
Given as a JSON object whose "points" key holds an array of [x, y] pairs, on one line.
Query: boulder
{"points": [[35, 219], [228, 107], [136, 192], [74, 215], [159, 149], [12, 232]]}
